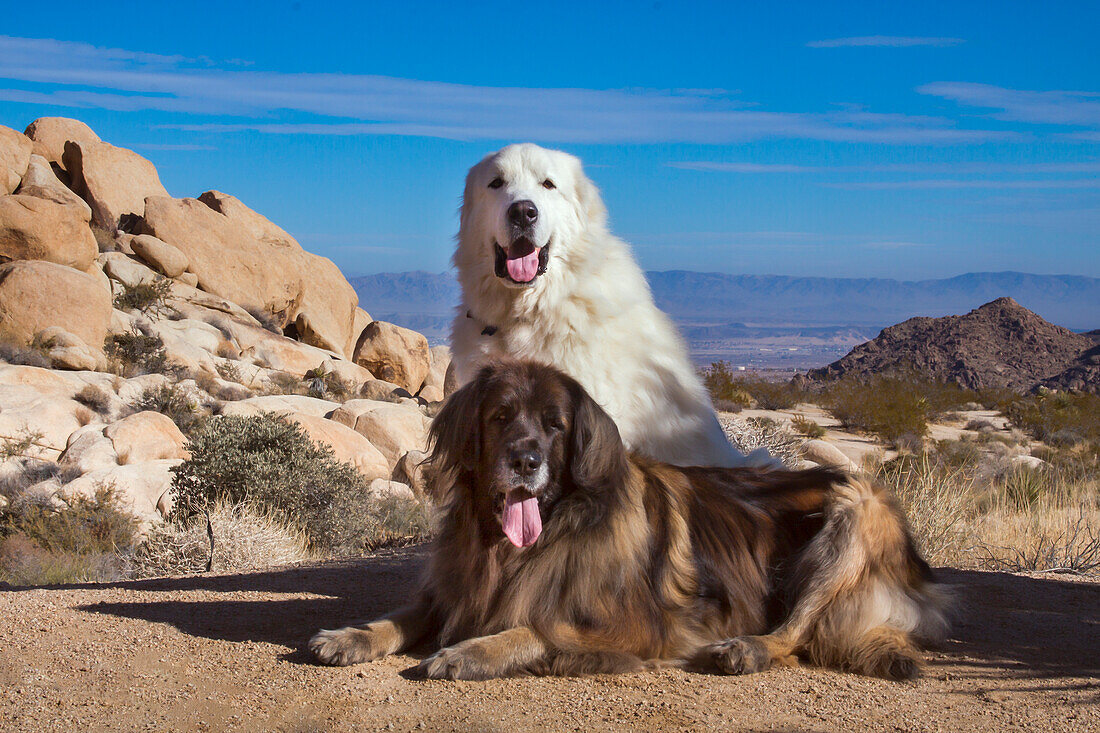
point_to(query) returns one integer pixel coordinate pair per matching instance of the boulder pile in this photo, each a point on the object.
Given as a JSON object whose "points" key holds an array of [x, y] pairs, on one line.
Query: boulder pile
{"points": [[112, 289]]}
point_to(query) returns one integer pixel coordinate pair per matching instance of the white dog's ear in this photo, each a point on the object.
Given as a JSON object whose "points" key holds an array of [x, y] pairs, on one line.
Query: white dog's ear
{"points": [[588, 196]]}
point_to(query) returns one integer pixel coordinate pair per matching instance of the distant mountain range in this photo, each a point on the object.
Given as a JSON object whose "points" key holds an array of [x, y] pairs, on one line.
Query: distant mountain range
{"points": [[732, 302]]}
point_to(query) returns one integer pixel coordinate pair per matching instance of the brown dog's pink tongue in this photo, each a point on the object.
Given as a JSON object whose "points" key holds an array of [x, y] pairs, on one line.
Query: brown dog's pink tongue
{"points": [[522, 523], [523, 269]]}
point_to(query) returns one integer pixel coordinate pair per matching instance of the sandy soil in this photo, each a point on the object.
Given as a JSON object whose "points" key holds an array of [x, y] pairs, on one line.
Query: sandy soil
{"points": [[225, 653]]}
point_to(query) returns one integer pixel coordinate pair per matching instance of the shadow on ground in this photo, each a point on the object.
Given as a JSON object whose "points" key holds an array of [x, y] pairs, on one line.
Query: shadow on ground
{"points": [[1033, 627]]}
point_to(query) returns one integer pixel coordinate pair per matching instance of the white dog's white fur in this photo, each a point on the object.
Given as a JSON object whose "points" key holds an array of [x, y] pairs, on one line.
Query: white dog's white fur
{"points": [[591, 313]]}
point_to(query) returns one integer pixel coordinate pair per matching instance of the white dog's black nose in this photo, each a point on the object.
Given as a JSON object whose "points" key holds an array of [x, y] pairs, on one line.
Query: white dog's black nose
{"points": [[523, 213]]}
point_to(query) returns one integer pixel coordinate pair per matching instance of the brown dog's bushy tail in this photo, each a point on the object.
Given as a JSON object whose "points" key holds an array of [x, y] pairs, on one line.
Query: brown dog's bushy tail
{"points": [[866, 595]]}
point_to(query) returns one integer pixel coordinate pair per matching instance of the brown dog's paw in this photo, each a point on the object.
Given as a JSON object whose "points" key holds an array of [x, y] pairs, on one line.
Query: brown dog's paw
{"points": [[341, 647], [460, 662], [741, 655]]}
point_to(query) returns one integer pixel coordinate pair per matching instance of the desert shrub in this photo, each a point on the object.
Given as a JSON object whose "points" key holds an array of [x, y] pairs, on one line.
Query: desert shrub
{"points": [[1023, 486], [285, 383], [147, 297], [230, 371], [245, 537], [327, 384], [980, 425], [885, 406], [136, 352], [728, 406], [173, 401], [14, 353], [84, 540], [22, 444], [747, 389], [749, 435], [805, 426], [94, 397], [937, 501], [271, 463], [1063, 417]]}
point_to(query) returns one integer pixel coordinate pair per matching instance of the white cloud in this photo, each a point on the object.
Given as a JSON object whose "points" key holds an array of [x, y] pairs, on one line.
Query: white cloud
{"points": [[1018, 105], [80, 75], [886, 41]]}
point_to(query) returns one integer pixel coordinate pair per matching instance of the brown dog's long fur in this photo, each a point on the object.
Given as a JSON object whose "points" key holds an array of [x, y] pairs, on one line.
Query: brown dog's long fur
{"points": [[638, 562]]}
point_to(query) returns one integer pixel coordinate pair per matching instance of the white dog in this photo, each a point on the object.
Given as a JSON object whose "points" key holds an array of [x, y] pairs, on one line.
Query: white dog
{"points": [[542, 278]]}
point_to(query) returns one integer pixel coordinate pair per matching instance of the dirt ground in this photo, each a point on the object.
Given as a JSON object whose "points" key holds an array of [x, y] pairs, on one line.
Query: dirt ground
{"points": [[225, 653]]}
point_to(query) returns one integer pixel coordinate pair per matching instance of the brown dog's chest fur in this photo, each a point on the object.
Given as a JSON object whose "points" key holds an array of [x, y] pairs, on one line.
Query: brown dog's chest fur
{"points": [[669, 560]]}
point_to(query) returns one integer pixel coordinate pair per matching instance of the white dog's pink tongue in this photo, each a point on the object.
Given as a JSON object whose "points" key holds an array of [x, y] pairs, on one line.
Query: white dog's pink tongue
{"points": [[523, 269], [522, 523]]}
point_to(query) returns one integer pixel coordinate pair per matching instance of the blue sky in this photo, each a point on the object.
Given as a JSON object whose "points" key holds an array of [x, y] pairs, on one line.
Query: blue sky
{"points": [[842, 139]]}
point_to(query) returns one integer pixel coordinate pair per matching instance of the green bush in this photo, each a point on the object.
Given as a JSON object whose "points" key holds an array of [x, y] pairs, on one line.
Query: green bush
{"points": [[748, 390], [1061, 418], [888, 407], [173, 401], [271, 463], [137, 352], [806, 426], [147, 297], [85, 540]]}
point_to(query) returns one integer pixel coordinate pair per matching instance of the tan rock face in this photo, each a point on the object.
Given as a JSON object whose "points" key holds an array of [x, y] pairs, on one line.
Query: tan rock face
{"points": [[299, 288], [360, 320], [146, 436], [33, 228], [50, 134], [35, 295], [15, 155], [347, 445], [67, 351], [257, 225], [41, 182], [394, 354], [162, 256], [393, 429], [144, 489], [114, 181]]}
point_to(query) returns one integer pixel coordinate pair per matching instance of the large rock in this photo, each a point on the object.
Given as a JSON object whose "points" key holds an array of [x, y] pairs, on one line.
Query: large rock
{"points": [[68, 351], [146, 436], [50, 134], [35, 295], [40, 409], [824, 453], [114, 181], [258, 226], [33, 228], [307, 294], [347, 445], [40, 181], [394, 429], [360, 320], [283, 403], [163, 257], [88, 449], [15, 155], [143, 489], [394, 354]]}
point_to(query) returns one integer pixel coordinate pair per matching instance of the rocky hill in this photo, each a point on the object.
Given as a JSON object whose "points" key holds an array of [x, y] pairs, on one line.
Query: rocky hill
{"points": [[1001, 345], [115, 295]]}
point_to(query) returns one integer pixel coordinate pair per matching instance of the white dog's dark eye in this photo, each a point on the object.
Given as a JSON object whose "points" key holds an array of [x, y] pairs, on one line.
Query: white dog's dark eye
{"points": [[548, 185], [496, 183]]}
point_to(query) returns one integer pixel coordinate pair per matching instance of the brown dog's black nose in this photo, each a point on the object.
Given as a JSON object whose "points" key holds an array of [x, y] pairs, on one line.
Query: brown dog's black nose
{"points": [[525, 462], [523, 213]]}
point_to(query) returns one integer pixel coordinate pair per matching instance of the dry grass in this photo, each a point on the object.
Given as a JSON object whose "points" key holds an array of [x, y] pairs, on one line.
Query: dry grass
{"points": [[246, 537], [1022, 520], [758, 432]]}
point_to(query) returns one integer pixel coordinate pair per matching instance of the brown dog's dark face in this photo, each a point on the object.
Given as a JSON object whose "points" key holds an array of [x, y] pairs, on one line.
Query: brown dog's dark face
{"points": [[525, 436]]}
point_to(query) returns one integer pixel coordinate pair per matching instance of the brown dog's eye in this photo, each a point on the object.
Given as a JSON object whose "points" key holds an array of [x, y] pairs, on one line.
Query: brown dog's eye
{"points": [[501, 416], [548, 185], [496, 182], [557, 422]]}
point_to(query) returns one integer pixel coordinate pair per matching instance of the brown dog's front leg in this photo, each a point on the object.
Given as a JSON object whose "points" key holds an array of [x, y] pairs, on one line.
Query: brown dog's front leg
{"points": [[486, 657], [388, 635]]}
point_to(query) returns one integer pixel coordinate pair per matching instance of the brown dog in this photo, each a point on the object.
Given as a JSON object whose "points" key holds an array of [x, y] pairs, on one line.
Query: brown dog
{"points": [[559, 553]]}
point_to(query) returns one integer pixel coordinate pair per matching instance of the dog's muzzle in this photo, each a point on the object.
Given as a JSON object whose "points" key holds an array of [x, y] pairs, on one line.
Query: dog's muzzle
{"points": [[522, 262]]}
